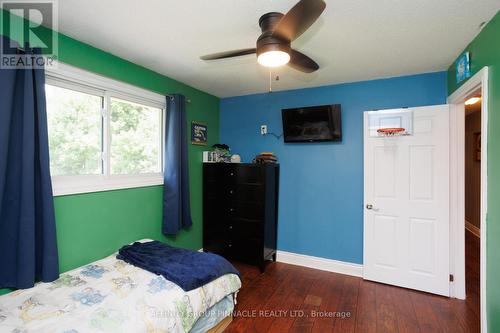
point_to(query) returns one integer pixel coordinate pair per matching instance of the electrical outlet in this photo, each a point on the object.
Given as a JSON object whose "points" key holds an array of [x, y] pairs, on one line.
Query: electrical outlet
{"points": [[263, 129]]}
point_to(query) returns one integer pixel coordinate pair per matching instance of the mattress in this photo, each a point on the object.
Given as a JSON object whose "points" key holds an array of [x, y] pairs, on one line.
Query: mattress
{"points": [[110, 295], [214, 315]]}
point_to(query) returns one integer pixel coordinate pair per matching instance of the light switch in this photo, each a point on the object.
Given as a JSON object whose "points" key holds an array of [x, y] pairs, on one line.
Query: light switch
{"points": [[263, 129]]}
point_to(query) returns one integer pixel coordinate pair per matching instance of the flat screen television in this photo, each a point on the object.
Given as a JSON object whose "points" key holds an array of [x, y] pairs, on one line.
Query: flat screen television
{"points": [[312, 124]]}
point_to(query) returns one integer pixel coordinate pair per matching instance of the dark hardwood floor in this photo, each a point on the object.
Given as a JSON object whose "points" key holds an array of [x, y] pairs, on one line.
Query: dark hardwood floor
{"points": [[286, 298]]}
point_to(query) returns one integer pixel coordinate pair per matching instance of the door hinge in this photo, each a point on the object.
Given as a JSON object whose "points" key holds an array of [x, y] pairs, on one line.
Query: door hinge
{"points": [[451, 278]]}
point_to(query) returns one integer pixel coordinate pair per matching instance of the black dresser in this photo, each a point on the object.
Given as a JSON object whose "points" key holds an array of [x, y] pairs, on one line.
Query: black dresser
{"points": [[240, 211]]}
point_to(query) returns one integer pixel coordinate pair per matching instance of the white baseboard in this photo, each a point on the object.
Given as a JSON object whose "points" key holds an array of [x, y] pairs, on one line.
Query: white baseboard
{"points": [[323, 264], [473, 229]]}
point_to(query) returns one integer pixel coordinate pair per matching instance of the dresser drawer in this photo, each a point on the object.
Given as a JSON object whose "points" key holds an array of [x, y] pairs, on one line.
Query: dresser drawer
{"points": [[232, 174], [244, 175], [230, 209], [243, 230], [245, 249], [244, 210], [237, 192]]}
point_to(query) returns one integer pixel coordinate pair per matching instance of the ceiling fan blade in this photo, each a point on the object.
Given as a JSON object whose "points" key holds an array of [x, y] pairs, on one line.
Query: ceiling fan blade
{"points": [[301, 62], [228, 54], [299, 19]]}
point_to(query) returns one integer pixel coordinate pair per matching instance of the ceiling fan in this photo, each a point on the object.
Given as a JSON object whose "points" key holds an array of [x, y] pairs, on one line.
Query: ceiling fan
{"points": [[278, 31]]}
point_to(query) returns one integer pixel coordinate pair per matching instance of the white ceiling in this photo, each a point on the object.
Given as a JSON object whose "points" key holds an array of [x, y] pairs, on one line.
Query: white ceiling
{"points": [[354, 40]]}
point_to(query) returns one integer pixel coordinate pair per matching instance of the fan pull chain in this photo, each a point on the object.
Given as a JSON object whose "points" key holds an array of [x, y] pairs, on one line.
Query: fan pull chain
{"points": [[270, 81], [277, 78]]}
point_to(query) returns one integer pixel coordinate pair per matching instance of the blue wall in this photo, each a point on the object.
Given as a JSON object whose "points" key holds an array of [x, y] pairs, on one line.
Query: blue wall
{"points": [[321, 189]]}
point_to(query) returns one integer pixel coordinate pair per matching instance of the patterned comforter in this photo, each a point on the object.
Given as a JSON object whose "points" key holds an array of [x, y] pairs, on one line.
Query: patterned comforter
{"points": [[110, 295]]}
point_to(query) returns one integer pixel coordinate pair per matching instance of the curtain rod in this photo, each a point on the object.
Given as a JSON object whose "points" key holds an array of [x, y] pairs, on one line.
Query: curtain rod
{"points": [[171, 96], [168, 95]]}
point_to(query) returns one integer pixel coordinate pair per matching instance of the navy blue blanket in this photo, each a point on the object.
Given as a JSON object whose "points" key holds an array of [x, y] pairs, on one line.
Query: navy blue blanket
{"points": [[187, 268]]}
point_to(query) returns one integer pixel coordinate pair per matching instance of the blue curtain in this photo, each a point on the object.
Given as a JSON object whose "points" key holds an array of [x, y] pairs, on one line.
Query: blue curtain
{"points": [[176, 208], [28, 248]]}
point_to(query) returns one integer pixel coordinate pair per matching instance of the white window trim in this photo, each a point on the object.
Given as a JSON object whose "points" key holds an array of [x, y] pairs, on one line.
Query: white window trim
{"points": [[70, 77], [64, 72]]}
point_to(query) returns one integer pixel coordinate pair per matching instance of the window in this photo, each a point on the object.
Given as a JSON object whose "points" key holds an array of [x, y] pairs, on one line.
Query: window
{"points": [[75, 127], [135, 138], [103, 134]]}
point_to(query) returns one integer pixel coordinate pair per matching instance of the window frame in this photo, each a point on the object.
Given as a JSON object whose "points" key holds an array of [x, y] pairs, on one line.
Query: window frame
{"points": [[69, 77]]}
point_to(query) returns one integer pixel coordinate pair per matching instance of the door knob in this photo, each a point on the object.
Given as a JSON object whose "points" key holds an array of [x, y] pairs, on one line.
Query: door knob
{"points": [[370, 207]]}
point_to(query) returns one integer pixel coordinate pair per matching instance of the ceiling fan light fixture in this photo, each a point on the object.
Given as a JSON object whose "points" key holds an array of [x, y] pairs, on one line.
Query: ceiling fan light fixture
{"points": [[273, 58], [273, 47]]}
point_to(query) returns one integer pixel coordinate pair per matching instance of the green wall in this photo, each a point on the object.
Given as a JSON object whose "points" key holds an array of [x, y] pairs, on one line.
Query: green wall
{"points": [[485, 51], [91, 226]]}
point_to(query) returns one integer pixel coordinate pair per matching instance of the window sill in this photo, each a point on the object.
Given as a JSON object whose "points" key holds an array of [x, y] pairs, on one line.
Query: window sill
{"points": [[68, 185]]}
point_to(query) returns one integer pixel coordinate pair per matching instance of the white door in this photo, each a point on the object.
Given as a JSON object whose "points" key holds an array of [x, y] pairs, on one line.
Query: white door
{"points": [[406, 214]]}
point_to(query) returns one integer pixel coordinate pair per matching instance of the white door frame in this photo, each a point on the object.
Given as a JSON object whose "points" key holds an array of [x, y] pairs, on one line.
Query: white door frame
{"points": [[457, 186]]}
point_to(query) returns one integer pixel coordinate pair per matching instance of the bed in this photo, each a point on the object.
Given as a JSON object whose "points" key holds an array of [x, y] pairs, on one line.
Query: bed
{"points": [[110, 295]]}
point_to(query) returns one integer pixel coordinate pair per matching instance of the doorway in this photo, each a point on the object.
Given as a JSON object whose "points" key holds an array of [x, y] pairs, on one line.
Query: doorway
{"points": [[469, 276], [472, 167]]}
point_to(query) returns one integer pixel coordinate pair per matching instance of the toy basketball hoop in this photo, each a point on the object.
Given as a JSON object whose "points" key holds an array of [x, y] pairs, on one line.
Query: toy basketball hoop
{"points": [[391, 131], [389, 124]]}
